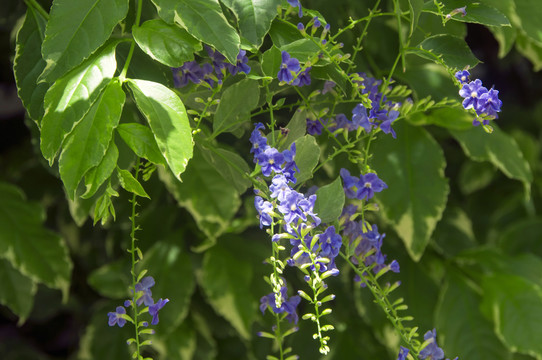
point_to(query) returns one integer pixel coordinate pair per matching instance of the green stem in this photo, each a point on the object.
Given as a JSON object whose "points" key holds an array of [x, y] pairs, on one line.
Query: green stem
{"points": [[133, 251], [36, 6], [122, 76], [360, 38], [381, 298]]}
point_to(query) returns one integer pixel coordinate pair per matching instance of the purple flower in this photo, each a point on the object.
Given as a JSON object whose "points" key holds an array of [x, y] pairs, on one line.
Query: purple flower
{"points": [[259, 142], [340, 122], [189, 71], [489, 103], [431, 351], [217, 59], [370, 183], [328, 85], [296, 3], [288, 305], [303, 78], [351, 184], [330, 243], [270, 160], [115, 318], [462, 76], [264, 209], [292, 207], [472, 92], [145, 286], [403, 352], [241, 64], [359, 118], [290, 167], [289, 66], [385, 125], [316, 22], [279, 187], [314, 127], [153, 310]]}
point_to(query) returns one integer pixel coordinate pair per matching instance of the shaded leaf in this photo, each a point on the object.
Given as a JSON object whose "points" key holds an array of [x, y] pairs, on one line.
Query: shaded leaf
{"points": [[141, 140], [28, 63], [413, 168], [231, 166], [236, 103], [33, 250], [205, 21], [254, 17], [226, 279], [96, 176], [112, 280], [467, 333], [516, 307], [477, 12], [453, 51], [330, 201], [306, 157], [16, 290]]}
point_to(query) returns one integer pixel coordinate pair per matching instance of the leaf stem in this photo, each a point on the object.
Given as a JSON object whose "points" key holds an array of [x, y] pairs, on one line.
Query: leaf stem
{"points": [[122, 76], [133, 251], [36, 6]]}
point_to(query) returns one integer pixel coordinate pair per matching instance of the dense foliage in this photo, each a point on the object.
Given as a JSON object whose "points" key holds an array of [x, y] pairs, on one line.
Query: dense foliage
{"points": [[273, 179]]}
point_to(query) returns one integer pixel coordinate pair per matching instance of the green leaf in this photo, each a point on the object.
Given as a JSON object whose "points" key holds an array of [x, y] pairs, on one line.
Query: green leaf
{"points": [[168, 120], [283, 32], [530, 49], [16, 291], [168, 44], [75, 30], [166, 260], [297, 127], [166, 9], [453, 51], [141, 140], [530, 13], [226, 280], [306, 157], [522, 236], [205, 21], [467, 333], [130, 183], [96, 176], [454, 232], [86, 145], [330, 201], [516, 307], [271, 61], [180, 343], [254, 17], [302, 49], [499, 149], [231, 166], [415, 7], [71, 97], [413, 168], [237, 101], [477, 12], [33, 250], [28, 63], [474, 176], [112, 280], [449, 118], [210, 199]]}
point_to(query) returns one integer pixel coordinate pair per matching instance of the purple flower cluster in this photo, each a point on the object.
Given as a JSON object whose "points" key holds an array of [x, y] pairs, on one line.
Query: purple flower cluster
{"points": [[362, 188], [381, 115], [485, 102], [290, 71], [210, 73], [288, 305], [432, 351], [143, 296]]}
